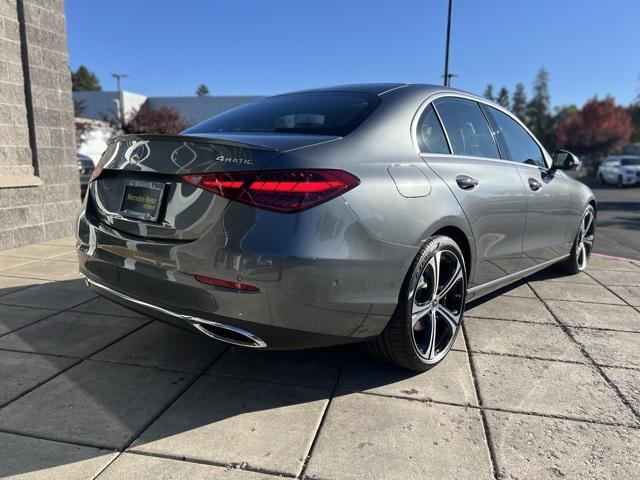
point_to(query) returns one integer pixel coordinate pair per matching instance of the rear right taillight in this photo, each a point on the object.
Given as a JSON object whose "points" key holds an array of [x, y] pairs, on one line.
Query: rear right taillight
{"points": [[286, 191]]}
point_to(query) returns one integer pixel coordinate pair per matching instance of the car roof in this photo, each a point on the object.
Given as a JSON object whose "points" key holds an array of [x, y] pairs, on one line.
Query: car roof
{"points": [[383, 88], [371, 88]]}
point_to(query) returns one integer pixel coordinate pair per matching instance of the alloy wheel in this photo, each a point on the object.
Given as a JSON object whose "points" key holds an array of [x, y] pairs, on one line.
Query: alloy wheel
{"points": [[584, 243], [438, 304]]}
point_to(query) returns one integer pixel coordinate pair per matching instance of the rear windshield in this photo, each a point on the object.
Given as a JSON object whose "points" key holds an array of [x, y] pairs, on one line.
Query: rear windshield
{"points": [[628, 162], [322, 113]]}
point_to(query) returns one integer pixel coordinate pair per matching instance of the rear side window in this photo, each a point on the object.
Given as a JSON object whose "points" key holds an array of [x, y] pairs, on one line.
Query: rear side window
{"points": [[431, 137], [466, 127], [522, 148], [322, 113]]}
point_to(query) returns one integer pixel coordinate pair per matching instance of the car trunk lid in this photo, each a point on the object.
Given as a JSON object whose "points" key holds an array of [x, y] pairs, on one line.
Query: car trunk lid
{"points": [[140, 191]]}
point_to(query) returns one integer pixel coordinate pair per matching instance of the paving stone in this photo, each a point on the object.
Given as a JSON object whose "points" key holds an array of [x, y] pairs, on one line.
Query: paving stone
{"points": [[548, 388], [163, 346], [522, 290], [105, 306], [574, 292], [59, 295], [42, 269], [631, 295], [512, 308], [537, 448], [617, 349], [628, 382], [450, 381], [518, 338], [64, 242], [13, 317], [615, 278], [13, 284], [558, 275], [596, 315], [129, 466], [11, 262], [25, 458], [604, 263], [20, 372], [74, 334], [67, 257], [313, 367], [367, 436], [37, 251], [230, 421], [95, 403]]}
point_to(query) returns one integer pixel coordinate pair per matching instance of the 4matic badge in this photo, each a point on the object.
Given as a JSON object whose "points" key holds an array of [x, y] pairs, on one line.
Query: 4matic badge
{"points": [[243, 161]]}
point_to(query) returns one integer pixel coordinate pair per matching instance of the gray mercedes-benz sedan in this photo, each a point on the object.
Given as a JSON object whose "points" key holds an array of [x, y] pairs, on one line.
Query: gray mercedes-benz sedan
{"points": [[353, 213]]}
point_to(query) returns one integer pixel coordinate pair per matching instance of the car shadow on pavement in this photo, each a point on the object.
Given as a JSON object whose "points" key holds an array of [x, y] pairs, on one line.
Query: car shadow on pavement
{"points": [[81, 377]]}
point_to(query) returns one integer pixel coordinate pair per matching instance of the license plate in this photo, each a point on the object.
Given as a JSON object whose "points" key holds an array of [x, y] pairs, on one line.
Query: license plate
{"points": [[142, 200]]}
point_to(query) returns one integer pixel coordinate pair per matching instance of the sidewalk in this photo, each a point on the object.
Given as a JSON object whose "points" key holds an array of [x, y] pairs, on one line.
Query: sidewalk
{"points": [[544, 383]]}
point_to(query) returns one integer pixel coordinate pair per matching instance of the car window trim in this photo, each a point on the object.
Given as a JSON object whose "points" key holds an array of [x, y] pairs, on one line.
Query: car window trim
{"points": [[434, 96]]}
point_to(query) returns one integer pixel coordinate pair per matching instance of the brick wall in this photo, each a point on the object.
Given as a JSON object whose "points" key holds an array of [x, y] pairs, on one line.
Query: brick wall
{"points": [[39, 187]]}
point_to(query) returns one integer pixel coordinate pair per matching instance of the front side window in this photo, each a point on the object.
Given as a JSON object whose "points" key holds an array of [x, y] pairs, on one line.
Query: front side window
{"points": [[466, 128], [322, 113], [431, 137], [522, 148]]}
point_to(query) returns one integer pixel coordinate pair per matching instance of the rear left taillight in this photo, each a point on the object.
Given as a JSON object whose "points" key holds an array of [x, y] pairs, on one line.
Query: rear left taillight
{"points": [[286, 191]]}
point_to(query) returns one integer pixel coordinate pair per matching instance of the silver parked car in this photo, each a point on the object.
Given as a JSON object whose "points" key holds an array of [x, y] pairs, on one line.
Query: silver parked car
{"points": [[619, 170], [355, 213]]}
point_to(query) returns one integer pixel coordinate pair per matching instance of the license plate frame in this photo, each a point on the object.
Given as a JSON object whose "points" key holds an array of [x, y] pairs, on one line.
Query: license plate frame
{"points": [[142, 200]]}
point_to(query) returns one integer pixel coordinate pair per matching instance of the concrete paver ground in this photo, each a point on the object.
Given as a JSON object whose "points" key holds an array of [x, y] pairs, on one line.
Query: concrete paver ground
{"points": [[542, 383]]}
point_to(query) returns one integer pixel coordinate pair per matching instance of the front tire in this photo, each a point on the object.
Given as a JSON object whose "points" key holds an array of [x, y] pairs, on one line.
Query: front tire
{"points": [[429, 314], [583, 243]]}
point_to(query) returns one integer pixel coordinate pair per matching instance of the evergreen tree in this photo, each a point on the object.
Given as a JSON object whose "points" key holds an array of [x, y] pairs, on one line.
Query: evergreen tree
{"points": [[488, 92], [503, 98], [202, 90], [519, 103], [538, 109], [84, 80]]}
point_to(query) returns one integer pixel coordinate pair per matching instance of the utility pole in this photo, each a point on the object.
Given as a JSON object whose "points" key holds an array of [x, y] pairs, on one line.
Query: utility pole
{"points": [[447, 76], [118, 76]]}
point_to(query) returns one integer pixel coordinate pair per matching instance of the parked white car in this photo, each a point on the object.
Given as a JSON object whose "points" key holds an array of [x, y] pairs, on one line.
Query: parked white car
{"points": [[619, 170]]}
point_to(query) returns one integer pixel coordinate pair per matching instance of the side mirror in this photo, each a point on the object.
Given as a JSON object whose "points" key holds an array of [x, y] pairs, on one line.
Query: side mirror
{"points": [[564, 160]]}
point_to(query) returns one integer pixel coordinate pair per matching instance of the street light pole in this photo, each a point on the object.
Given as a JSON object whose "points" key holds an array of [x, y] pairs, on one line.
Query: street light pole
{"points": [[447, 77], [118, 76]]}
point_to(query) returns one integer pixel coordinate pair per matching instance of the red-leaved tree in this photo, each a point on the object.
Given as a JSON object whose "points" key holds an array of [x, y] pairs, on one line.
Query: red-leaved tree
{"points": [[160, 120], [598, 128]]}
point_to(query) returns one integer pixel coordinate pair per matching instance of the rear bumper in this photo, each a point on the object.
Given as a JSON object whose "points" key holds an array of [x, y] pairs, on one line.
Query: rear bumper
{"points": [[316, 290]]}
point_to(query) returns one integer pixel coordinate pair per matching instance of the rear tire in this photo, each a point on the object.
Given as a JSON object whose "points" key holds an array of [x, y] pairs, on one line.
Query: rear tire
{"points": [[583, 243], [429, 314]]}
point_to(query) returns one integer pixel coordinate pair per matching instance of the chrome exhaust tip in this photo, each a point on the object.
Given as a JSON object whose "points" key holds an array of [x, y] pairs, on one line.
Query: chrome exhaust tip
{"points": [[229, 334]]}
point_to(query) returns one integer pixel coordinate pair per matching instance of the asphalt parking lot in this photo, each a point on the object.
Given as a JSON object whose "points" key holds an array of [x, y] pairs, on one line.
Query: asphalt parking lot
{"points": [[618, 221], [544, 383]]}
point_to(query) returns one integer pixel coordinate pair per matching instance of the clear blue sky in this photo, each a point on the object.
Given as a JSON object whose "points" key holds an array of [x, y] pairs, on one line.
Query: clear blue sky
{"points": [[268, 46]]}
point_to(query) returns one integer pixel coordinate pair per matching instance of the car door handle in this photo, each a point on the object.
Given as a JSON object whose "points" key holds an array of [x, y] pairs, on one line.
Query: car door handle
{"points": [[534, 184], [465, 182]]}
